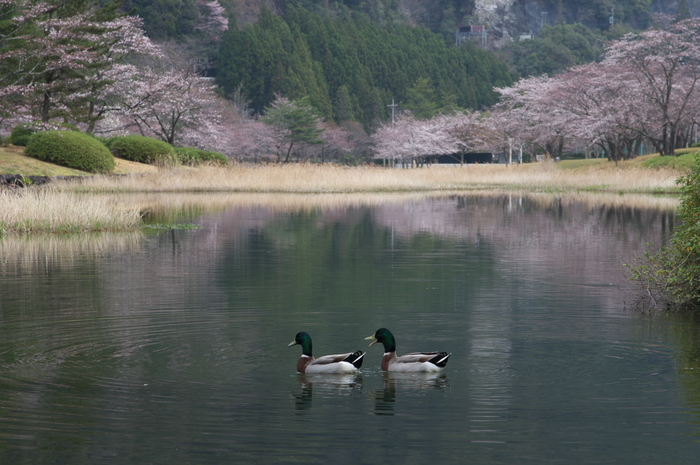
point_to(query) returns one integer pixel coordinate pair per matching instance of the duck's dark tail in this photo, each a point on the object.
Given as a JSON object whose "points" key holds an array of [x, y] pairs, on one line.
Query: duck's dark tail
{"points": [[355, 358], [440, 359]]}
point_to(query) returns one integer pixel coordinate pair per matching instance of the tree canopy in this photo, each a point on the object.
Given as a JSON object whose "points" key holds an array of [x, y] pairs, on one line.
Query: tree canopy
{"points": [[353, 63], [555, 49]]}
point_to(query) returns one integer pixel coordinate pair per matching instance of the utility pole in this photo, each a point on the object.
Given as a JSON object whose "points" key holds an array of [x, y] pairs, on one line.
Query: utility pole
{"points": [[392, 106], [612, 15]]}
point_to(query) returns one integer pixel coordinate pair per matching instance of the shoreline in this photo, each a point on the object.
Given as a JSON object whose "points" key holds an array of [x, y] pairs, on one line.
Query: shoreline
{"points": [[102, 203]]}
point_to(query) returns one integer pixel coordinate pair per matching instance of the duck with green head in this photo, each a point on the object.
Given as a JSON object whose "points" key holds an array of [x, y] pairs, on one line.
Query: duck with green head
{"points": [[417, 362], [338, 363]]}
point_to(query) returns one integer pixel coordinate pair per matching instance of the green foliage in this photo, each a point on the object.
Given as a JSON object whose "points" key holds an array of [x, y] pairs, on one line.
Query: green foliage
{"points": [[686, 239], [143, 150], [351, 67], [166, 19], [555, 49], [71, 149], [670, 278], [683, 12], [21, 133], [423, 99], [192, 157], [596, 14], [680, 161], [295, 121]]}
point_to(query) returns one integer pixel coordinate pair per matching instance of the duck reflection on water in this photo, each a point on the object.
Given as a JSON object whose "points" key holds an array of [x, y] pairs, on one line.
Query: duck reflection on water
{"points": [[384, 399], [326, 384]]}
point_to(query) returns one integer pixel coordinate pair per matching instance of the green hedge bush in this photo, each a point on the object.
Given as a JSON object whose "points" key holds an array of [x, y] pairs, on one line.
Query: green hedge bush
{"points": [[191, 156], [71, 149], [20, 135], [143, 150]]}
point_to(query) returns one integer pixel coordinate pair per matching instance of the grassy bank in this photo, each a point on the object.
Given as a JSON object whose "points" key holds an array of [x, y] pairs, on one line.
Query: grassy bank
{"points": [[69, 206], [13, 161]]}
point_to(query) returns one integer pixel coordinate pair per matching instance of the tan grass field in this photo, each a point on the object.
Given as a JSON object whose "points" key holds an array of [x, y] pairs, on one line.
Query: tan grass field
{"points": [[309, 178]]}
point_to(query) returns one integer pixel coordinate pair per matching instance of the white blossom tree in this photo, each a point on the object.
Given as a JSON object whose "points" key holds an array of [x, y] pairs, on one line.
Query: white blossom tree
{"points": [[166, 103], [535, 121], [662, 71], [58, 63], [410, 140]]}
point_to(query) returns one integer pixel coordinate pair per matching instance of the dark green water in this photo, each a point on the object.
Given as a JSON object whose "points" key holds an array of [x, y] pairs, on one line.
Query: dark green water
{"points": [[170, 348]]}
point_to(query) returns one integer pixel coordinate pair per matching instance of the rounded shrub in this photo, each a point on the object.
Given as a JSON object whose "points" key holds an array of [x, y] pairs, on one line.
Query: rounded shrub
{"points": [[20, 134], [216, 158], [192, 156], [143, 150], [71, 149]]}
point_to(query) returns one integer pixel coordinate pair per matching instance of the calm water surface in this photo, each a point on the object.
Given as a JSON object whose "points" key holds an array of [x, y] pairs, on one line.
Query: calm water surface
{"points": [[170, 347]]}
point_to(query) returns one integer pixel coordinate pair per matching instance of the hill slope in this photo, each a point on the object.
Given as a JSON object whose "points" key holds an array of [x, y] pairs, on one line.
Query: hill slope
{"points": [[13, 161]]}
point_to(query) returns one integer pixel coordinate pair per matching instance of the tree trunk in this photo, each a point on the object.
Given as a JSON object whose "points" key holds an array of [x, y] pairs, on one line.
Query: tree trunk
{"points": [[46, 107], [289, 151]]}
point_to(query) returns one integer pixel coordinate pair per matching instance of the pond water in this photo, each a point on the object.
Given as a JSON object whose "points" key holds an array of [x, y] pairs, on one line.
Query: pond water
{"points": [[170, 346]]}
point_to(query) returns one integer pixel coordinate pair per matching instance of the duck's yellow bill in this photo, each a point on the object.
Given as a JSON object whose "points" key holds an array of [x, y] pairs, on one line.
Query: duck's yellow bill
{"points": [[370, 338], [293, 343]]}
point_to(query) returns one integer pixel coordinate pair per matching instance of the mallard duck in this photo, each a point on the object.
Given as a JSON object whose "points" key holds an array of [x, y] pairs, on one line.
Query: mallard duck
{"points": [[418, 362], [338, 363]]}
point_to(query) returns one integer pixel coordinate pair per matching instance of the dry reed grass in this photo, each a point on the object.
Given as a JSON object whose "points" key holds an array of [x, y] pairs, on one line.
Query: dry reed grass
{"points": [[306, 178], [49, 210], [76, 206]]}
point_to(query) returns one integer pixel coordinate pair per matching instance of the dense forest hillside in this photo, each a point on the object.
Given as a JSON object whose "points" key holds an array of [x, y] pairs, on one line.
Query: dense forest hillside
{"points": [[505, 20], [351, 58], [350, 67]]}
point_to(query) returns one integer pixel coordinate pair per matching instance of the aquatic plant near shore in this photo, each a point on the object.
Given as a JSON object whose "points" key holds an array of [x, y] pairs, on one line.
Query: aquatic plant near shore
{"points": [[51, 211]]}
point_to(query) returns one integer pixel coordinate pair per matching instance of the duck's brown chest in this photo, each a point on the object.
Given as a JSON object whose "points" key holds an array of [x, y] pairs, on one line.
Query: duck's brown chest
{"points": [[387, 359]]}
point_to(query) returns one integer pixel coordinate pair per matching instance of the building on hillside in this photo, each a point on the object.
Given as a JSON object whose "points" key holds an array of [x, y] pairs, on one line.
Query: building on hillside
{"points": [[474, 33]]}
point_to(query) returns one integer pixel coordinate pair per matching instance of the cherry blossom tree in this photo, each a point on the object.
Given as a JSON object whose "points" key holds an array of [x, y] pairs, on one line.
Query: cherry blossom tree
{"points": [[535, 121], [644, 89], [254, 140], [166, 103], [216, 132], [468, 130], [213, 19], [336, 142], [662, 71], [59, 62], [603, 108], [506, 130], [410, 140]]}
